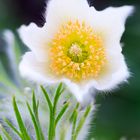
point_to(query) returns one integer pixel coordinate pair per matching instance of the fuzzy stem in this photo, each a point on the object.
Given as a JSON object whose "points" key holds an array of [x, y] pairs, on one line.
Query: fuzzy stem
{"points": [[52, 126]]}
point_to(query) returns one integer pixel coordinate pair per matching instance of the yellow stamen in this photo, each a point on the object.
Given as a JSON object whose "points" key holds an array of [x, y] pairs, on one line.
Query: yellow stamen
{"points": [[77, 52]]}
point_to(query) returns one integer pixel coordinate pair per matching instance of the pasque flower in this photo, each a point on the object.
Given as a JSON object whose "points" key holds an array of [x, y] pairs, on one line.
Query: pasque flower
{"points": [[78, 46]]}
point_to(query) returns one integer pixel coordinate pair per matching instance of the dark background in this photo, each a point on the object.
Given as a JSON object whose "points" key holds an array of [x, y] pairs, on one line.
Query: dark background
{"points": [[118, 113]]}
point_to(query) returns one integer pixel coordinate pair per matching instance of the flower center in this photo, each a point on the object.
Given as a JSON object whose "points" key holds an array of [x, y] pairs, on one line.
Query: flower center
{"points": [[77, 52]]}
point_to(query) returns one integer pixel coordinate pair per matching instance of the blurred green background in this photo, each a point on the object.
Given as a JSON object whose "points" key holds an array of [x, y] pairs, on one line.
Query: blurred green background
{"points": [[118, 113]]}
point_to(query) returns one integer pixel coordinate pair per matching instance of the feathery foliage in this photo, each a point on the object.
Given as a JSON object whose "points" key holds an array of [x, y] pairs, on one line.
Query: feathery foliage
{"points": [[54, 118]]}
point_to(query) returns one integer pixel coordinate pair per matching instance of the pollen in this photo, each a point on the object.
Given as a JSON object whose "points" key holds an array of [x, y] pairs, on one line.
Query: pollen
{"points": [[77, 52]]}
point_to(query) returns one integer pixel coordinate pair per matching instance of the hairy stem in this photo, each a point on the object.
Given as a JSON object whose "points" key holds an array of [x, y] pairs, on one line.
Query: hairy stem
{"points": [[52, 126]]}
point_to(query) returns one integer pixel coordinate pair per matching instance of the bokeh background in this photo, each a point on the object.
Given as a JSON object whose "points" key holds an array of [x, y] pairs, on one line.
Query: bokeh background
{"points": [[118, 113]]}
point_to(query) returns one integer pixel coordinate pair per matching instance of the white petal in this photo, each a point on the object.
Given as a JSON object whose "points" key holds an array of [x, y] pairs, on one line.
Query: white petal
{"points": [[34, 70], [116, 73], [35, 38], [110, 23], [60, 11]]}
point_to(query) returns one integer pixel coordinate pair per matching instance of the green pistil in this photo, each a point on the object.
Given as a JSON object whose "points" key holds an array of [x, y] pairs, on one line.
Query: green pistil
{"points": [[77, 53]]}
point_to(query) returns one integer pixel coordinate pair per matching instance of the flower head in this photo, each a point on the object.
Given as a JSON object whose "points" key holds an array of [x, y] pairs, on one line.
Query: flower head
{"points": [[77, 52], [78, 46]]}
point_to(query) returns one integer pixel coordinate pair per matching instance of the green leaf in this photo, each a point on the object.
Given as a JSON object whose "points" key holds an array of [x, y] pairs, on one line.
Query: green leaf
{"points": [[1, 137], [35, 105], [5, 133], [73, 119], [53, 108], [52, 115], [81, 122], [61, 113], [13, 128], [74, 124], [47, 99], [20, 121], [75, 109], [35, 111], [38, 135], [59, 91]]}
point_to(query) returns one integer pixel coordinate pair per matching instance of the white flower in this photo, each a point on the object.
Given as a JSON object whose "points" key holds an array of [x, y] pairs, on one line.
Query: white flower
{"points": [[78, 46]]}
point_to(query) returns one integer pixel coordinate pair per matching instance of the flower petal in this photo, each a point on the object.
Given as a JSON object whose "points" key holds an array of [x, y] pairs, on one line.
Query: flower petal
{"points": [[35, 38], [116, 73], [110, 23], [60, 11], [34, 70]]}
